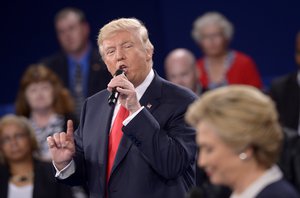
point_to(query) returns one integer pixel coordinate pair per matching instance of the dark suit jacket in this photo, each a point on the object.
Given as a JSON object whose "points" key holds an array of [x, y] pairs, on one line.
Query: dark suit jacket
{"points": [[279, 189], [44, 182], [98, 77], [156, 156], [285, 91]]}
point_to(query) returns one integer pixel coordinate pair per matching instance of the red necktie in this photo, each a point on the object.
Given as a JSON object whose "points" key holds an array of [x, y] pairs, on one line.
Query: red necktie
{"points": [[115, 137]]}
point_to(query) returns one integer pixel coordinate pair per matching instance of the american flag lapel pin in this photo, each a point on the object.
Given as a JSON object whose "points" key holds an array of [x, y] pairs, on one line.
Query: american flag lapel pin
{"points": [[149, 105]]}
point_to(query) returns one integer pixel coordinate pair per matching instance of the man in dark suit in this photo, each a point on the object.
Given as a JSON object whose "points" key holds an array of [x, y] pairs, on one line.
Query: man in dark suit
{"points": [[285, 91], [78, 64], [141, 147]]}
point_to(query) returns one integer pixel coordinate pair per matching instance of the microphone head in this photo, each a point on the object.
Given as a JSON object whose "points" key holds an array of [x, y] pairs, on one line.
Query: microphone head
{"points": [[113, 97], [119, 72]]}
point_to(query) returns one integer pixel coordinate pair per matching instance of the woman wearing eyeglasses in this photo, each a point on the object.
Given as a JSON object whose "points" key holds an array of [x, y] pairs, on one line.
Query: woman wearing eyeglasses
{"points": [[22, 175]]}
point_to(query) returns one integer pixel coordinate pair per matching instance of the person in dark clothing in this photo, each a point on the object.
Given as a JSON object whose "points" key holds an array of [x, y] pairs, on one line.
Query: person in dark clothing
{"points": [[285, 91], [78, 64], [21, 174]]}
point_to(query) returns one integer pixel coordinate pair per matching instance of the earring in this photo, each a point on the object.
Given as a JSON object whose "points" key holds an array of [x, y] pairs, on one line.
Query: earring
{"points": [[243, 156]]}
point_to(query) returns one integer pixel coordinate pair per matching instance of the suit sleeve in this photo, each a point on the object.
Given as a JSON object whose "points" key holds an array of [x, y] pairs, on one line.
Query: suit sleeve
{"points": [[169, 149]]}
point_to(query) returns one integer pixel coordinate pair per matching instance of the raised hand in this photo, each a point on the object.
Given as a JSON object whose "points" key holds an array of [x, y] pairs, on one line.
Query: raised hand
{"points": [[62, 146], [128, 96]]}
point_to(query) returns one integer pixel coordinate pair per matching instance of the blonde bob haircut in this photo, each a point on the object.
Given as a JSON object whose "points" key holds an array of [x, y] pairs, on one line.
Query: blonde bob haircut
{"points": [[22, 123], [212, 18], [243, 118], [125, 24]]}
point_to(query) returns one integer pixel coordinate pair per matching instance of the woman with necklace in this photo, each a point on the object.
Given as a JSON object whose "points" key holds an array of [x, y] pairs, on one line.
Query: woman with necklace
{"points": [[21, 174], [221, 66]]}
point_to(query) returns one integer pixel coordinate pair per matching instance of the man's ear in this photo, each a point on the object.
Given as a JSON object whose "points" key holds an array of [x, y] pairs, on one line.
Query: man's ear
{"points": [[149, 53]]}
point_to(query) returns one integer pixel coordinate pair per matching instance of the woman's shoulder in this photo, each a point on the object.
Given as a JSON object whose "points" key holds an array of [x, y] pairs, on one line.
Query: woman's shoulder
{"points": [[279, 189], [241, 57]]}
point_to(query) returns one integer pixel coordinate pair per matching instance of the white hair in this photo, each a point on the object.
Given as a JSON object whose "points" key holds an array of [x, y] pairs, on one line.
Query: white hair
{"points": [[210, 18]]}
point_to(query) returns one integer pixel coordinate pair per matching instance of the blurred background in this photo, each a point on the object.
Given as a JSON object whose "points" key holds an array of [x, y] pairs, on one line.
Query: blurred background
{"points": [[265, 30]]}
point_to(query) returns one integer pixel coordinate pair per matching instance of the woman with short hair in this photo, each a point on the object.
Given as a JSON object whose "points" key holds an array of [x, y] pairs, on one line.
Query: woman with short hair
{"points": [[239, 141], [221, 65], [45, 102], [22, 175]]}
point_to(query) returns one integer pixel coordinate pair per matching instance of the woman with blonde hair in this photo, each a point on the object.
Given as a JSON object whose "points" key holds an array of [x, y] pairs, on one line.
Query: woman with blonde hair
{"points": [[48, 105], [239, 141], [22, 175]]}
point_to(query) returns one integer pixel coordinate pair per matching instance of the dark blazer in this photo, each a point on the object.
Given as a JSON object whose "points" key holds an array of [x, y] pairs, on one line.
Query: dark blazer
{"points": [[285, 91], [156, 156], [289, 160], [279, 189], [44, 182], [98, 77]]}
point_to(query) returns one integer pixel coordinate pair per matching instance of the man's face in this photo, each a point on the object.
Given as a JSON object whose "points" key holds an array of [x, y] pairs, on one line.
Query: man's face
{"points": [[125, 50], [181, 72], [72, 34]]}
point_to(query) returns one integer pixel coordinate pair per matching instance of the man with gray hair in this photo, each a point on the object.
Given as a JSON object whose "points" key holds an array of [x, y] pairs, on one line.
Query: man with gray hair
{"points": [[181, 69], [140, 146]]}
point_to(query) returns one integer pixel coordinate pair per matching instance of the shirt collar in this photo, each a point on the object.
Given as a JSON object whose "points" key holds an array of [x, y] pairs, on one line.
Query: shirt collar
{"points": [[84, 58], [141, 89], [270, 176]]}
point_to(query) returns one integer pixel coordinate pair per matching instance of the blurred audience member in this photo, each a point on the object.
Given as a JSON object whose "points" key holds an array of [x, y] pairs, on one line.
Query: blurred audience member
{"points": [[285, 91], [21, 174], [181, 69], [79, 64], [239, 140], [46, 103], [220, 65]]}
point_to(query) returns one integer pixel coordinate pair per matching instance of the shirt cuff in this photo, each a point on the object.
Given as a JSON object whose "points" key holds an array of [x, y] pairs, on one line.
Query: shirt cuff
{"points": [[129, 118], [66, 171]]}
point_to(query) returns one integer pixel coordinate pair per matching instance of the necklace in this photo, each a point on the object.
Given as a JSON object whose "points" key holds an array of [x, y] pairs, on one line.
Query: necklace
{"points": [[22, 178]]}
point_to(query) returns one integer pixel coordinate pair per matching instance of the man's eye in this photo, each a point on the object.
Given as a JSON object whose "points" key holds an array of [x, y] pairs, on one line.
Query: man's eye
{"points": [[110, 52], [128, 46]]}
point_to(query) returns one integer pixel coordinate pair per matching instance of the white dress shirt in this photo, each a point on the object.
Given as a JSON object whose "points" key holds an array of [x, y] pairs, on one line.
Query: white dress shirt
{"points": [[272, 175], [140, 90], [19, 191]]}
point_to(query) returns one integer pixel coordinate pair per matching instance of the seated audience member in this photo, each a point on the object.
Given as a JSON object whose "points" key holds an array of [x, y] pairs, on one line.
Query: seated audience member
{"points": [[239, 141], [285, 91], [47, 104], [21, 174], [220, 65], [78, 64], [181, 69]]}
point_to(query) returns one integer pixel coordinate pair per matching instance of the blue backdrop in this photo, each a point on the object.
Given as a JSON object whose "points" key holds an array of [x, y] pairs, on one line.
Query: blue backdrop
{"points": [[264, 29]]}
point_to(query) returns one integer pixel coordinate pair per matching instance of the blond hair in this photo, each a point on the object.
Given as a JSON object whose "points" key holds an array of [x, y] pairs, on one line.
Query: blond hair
{"points": [[212, 18], [243, 117], [125, 24], [22, 123]]}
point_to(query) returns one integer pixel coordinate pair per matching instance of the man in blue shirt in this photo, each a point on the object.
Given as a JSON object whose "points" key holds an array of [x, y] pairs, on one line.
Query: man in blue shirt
{"points": [[78, 64]]}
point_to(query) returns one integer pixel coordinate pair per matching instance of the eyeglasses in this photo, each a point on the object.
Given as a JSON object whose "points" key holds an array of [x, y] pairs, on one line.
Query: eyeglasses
{"points": [[15, 137]]}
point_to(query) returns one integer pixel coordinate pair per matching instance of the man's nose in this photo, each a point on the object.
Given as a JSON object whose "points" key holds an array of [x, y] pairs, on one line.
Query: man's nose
{"points": [[120, 55]]}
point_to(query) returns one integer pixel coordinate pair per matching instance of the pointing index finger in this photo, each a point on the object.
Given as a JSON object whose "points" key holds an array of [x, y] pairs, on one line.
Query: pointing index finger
{"points": [[70, 128]]}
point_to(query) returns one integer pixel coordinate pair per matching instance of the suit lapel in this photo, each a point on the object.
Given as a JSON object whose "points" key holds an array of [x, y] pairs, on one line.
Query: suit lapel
{"points": [[150, 101], [103, 119]]}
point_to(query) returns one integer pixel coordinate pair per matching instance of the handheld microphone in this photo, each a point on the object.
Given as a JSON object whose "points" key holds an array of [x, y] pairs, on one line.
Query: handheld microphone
{"points": [[114, 95]]}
